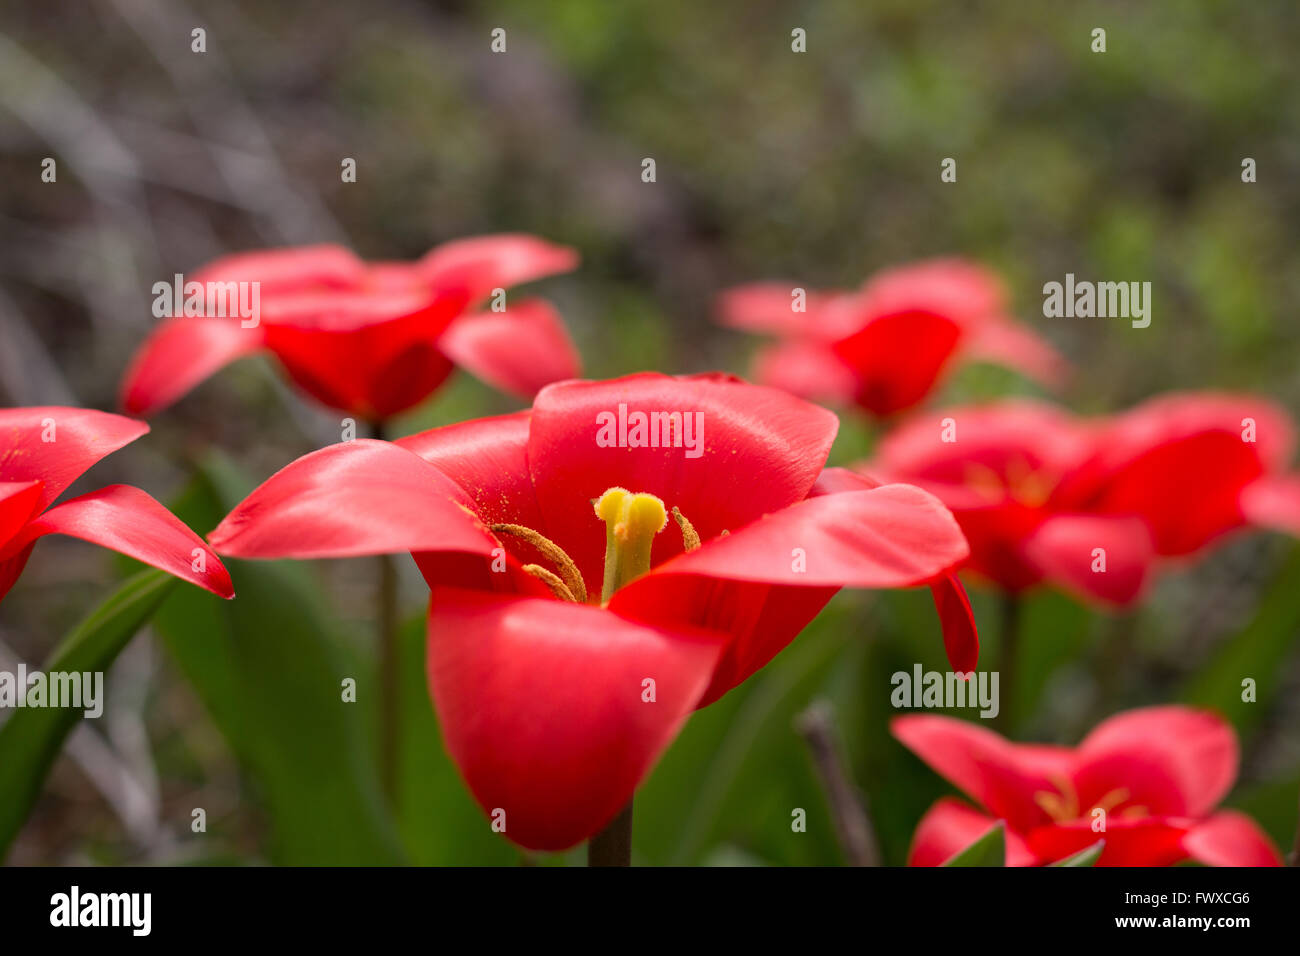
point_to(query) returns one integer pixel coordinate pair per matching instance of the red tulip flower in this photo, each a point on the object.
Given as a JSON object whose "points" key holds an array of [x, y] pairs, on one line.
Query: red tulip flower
{"points": [[573, 626], [370, 339], [885, 346], [1093, 505], [42, 452], [1146, 781]]}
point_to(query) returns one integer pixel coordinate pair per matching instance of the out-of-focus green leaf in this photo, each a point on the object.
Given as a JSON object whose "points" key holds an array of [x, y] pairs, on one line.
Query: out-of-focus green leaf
{"points": [[739, 770], [1088, 856], [269, 668], [988, 850], [732, 856], [1274, 806], [32, 736], [1257, 653]]}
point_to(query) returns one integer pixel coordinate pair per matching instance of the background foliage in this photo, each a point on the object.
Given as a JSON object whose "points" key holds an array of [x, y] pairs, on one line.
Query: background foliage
{"points": [[820, 167]]}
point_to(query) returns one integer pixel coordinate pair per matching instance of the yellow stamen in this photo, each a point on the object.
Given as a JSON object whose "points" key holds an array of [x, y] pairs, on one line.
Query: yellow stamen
{"points": [[569, 572], [1112, 799], [1060, 806], [552, 581], [690, 539]]}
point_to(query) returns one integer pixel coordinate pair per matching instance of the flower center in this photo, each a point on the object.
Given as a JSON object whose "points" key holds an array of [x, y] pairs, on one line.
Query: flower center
{"points": [[1018, 481], [631, 522], [1063, 806]]}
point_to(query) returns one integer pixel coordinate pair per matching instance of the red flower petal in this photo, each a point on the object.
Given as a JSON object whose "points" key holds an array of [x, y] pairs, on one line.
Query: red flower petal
{"points": [[1181, 462], [962, 291], [180, 354], [1229, 838], [541, 706], [355, 498], [373, 354], [899, 358], [483, 263], [1175, 761], [961, 639], [808, 369], [18, 503], [960, 635], [517, 351], [1144, 841], [488, 458], [1064, 547], [950, 826], [1007, 439], [768, 307], [1001, 776], [887, 537], [1273, 502], [287, 270], [79, 437], [127, 520], [762, 449]]}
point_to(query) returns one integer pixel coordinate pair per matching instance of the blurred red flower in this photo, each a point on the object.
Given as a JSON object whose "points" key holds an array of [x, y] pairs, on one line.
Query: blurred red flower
{"points": [[370, 339], [566, 647], [42, 452], [1146, 781], [1091, 505], [886, 345]]}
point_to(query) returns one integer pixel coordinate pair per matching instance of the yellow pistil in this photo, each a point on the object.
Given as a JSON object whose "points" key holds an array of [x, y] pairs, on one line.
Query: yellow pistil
{"points": [[631, 523]]}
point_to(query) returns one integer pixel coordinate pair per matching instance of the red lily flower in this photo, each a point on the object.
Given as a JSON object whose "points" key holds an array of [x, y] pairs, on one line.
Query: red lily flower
{"points": [[566, 648], [42, 452], [370, 339], [1045, 497], [886, 345], [1155, 774]]}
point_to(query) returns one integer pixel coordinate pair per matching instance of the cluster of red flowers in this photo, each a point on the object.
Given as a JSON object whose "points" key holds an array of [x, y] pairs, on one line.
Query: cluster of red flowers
{"points": [[572, 582]]}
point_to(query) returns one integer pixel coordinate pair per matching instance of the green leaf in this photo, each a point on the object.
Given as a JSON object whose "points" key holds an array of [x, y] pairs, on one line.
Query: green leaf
{"points": [[738, 769], [269, 668], [1088, 856], [32, 736], [988, 850], [1259, 652]]}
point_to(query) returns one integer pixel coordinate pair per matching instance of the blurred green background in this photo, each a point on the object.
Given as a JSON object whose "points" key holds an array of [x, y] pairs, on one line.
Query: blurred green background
{"points": [[821, 167]]}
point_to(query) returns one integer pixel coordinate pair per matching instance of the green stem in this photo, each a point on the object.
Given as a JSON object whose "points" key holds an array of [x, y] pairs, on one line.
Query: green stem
{"points": [[612, 846], [1009, 661]]}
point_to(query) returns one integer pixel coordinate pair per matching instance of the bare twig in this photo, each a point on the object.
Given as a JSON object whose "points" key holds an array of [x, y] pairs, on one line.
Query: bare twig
{"points": [[848, 807]]}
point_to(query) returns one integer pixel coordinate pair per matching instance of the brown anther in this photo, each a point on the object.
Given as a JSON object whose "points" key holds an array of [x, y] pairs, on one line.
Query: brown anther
{"points": [[569, 573], [690, 539], [552, 581]]}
